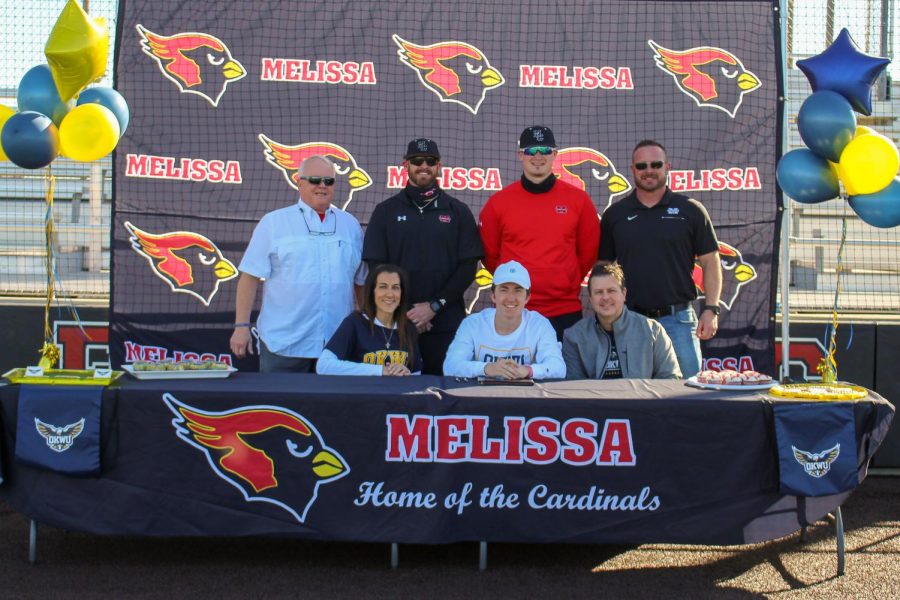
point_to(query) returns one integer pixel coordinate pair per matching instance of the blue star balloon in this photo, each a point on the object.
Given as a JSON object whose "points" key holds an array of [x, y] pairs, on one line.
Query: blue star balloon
{"points": [[842, 68]]}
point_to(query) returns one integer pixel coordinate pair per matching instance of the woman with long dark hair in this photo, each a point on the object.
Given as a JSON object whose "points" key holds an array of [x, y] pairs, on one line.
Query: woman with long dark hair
{"points": [[379, 339]]}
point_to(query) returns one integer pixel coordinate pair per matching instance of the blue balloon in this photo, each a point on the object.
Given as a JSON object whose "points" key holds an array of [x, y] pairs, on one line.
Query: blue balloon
{"points": [[827, 123], [842, 68], [110, 99], [30, 140], [806, 177], [37, 92], [881, 209]]}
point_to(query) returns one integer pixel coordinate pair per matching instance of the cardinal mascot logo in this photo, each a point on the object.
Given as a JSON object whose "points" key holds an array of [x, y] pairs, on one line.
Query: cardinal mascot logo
{"points": [[188, 262], [455, 71], [817, 464], [735, 274], [269, 454], [710, 76], [198, 63], [350, 178], [591, 171]]}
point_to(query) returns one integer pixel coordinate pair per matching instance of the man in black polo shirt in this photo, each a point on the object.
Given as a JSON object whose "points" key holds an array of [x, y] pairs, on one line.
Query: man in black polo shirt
{"points": [[655, 235], [433, 237]]}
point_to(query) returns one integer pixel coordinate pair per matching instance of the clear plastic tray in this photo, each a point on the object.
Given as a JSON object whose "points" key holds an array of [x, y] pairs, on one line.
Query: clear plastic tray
{"points": [[197, 374]]}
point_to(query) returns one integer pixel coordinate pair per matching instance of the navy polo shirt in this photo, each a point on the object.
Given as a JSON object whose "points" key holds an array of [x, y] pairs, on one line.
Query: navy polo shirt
{"points": [[656, 247]]}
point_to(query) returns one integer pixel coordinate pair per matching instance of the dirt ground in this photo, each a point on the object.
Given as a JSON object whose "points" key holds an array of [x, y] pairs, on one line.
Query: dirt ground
{"points": [[86, 566]]}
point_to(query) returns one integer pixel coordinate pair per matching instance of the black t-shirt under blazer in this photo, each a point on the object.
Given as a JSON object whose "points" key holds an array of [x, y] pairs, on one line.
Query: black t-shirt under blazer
{"points": [[430, 244], [656, 247]]}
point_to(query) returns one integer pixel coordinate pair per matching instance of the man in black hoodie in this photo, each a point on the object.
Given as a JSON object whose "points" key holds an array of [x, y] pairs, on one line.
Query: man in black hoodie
{"points": [[433, 236]]}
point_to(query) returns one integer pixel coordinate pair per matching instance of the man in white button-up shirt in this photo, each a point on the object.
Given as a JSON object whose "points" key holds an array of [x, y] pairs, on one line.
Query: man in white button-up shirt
{"points": [[309, 257]]}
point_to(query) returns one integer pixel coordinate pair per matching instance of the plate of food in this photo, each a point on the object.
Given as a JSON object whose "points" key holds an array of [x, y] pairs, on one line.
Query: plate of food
{"points": [[731, 380], [207, 369]]}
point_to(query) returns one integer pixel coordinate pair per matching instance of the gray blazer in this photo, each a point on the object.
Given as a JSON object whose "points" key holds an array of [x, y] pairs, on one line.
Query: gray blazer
{"points": [[645, 350]]}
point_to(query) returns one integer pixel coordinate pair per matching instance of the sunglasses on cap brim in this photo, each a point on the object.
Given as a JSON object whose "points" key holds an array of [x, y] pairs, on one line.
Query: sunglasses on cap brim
{"points": [[542, 150]]}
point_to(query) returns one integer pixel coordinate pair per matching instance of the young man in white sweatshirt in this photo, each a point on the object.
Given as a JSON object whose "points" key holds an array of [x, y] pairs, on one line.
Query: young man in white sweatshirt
{"points": [[507, 341]]}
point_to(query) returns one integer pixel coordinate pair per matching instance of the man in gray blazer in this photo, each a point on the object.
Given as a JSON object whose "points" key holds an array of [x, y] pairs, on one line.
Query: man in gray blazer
{"points": [[615, 343]]}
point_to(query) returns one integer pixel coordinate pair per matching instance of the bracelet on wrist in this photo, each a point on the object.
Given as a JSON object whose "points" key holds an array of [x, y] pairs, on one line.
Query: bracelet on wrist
{"points": [[237, 325]]}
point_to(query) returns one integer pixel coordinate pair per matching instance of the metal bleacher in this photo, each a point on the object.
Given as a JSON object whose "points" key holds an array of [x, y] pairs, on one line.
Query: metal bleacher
{"points": [[81, 213]]}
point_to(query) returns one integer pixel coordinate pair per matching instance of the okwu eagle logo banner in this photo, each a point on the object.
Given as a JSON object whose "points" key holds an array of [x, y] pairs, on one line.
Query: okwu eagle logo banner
{"points": [[58, 428]]}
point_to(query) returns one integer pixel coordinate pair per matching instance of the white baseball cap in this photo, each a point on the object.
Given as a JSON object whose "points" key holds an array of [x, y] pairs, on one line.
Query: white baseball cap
{"points": [[512, 272]]}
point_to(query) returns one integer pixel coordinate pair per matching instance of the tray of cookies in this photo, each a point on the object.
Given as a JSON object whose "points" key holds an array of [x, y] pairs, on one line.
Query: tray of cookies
{"points": [[186, 369], [731, 380]]}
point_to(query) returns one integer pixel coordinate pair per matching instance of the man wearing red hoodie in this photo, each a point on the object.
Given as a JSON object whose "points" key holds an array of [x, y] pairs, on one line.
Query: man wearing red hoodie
{"points": [[549, 226]]}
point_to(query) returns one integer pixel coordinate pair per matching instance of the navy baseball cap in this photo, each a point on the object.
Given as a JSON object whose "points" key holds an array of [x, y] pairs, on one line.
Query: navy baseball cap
{"points": [[536, 135], [422, 147]]}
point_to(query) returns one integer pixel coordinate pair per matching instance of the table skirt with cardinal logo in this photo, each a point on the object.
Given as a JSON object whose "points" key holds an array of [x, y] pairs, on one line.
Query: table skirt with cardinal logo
{"points": [[434, 460]]}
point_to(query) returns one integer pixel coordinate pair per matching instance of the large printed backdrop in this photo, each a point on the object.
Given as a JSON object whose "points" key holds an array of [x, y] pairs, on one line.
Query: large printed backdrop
{"points": [[228, 98]]}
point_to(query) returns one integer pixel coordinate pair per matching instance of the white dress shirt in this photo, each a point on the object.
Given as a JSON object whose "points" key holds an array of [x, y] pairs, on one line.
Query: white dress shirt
{"points": [[309, 267]]}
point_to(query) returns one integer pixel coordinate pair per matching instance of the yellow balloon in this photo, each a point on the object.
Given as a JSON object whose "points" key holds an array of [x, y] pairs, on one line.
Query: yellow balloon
{"points": [[5, 113], [76, 50], [88, 132], [868, 164], [863, 130]]}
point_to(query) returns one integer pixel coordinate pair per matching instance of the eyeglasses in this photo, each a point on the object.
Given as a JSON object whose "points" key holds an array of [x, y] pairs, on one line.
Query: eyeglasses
{"points": [[418, 160], [329, 181], [542, 150], [317, 232], [656, 164]]}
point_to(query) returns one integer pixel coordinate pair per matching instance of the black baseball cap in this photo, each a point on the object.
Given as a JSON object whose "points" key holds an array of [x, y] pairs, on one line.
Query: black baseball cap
{"points": [[536, 135], [422, 147]]}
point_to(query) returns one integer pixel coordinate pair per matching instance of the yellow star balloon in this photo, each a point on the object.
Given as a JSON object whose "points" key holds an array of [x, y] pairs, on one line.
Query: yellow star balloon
{"points": [[76, 50]]}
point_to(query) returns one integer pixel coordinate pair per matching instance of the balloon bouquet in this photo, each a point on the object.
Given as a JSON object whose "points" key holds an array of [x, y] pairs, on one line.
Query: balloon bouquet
{"points": [[57, 116], [841, 152]]}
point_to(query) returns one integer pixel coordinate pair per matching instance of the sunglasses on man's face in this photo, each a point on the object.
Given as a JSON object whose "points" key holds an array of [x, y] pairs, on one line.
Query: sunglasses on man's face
{"points": [[542, 150], [656, 164], [329, 181], [418, 160]]}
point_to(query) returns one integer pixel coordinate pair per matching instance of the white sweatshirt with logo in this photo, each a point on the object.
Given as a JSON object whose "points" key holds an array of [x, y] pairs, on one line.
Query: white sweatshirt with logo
{"points": [[477, 343]]}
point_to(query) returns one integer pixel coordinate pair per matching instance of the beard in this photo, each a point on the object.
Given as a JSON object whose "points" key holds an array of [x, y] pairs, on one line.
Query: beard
{"points": [[650, 184], [423, 179]]}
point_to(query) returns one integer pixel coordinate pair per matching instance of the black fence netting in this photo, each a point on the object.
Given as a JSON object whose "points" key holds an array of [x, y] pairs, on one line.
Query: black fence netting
{"points": [[228, 98]]}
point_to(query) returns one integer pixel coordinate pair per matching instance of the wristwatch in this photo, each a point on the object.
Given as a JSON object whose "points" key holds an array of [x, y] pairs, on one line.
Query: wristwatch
{"points": [[715, 309], [437, 304]]}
